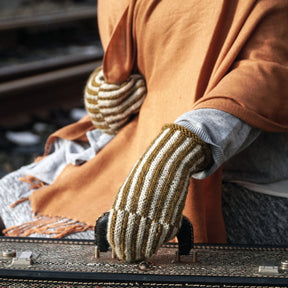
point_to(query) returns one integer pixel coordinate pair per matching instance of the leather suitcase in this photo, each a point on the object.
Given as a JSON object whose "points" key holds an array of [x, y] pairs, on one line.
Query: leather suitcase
{"points": [[35, 262]]}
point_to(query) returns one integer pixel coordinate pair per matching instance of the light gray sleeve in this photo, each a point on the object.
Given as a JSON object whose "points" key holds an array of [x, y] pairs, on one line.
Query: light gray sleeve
{"points": [[226, 134]]}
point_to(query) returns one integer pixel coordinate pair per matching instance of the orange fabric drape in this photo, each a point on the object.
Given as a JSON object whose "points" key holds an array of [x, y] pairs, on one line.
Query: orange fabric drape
{"points": [[228, 55]]}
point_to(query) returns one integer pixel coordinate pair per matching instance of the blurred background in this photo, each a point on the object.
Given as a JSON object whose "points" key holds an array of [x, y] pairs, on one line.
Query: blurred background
{"points": [[48, 48]]}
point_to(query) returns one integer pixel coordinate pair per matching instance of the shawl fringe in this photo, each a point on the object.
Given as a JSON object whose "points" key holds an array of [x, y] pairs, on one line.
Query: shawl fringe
{"points": [[34, 184], [54, 227], [33, 181]]}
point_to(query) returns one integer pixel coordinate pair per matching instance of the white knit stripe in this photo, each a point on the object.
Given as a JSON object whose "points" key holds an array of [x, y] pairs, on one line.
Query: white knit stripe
{"points": [[150, 173], [91, 97], [142, 163], [115, 126], [197, 163], [125, 116], [116, 91], [93, 81], [95, 115], [134, 108], [92, 88], [175, 231], [111, 98], [163, 177], [99, 78], [112, 106], [181, 198], [150, 241], [149, 176], [89, 105], [163, 236], [121, 191], [108, 93], [175, 183], [100, 125], [140, 237], [111, 211], [118, 230], [129, 233]]}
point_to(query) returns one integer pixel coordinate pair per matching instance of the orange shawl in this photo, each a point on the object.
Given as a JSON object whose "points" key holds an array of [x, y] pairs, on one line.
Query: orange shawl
{"points": [[228, 55]]}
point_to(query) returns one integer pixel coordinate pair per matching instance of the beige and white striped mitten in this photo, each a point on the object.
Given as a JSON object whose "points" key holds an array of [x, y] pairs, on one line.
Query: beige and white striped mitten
{"points": [[147, 211], [110, 106]]}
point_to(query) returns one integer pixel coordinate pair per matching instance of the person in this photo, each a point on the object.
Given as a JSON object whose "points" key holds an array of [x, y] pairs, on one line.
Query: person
{"points": [[186, 116]]}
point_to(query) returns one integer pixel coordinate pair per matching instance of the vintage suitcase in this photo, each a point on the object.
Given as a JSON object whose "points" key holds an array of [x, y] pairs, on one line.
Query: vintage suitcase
{"points": [[34, 262]]}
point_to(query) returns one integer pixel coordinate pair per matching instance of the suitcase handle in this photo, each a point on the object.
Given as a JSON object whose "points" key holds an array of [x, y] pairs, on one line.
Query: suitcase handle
{"points": [[185, 235]]}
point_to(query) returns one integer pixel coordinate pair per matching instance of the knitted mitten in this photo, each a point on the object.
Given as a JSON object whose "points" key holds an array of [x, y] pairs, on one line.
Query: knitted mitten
{"points": [[110, 106], [147, 211]]}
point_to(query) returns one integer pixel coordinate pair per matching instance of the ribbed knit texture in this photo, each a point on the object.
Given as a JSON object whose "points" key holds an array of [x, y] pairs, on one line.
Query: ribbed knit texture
{"points": [[147, 211], [110, 106]]}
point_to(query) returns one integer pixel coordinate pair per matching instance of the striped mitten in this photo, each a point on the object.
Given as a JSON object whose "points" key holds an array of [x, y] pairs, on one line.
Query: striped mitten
{"points": [[147, 211], [110, 106]]}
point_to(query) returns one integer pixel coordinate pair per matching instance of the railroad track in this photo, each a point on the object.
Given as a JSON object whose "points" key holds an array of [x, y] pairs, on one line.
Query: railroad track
{"points": [[46, 61], [24, 98]]}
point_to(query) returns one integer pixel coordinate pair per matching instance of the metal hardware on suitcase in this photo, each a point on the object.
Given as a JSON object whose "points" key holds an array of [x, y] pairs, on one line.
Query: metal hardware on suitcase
{"points": [[35, 262]]}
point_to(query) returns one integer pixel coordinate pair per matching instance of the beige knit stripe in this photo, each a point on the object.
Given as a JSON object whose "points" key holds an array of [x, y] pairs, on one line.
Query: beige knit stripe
{"points": [[173, 189], [93, 109], [125, 114], [140, 237], [178, 204], [99, 125], [128, 188], [121, 199], [92, 102], [122, 235], [166, 178], [156, 177], [143, 234], [163, 235], [148, 165], [118, 228], [96, 115], [93, 83], [92, 88], [122, 111], [120, 107], [110, 87], [107, 100], [98, 121], [110, 93], [171, 232], [107, 131], [130, 234], [133, 239], [116, 126], [91, 93], [158, 241], [114, 97], [111, 226], [153, 239]]}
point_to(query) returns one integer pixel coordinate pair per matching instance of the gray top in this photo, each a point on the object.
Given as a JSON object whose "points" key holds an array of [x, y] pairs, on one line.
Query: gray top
{"points": [[255, 159]]}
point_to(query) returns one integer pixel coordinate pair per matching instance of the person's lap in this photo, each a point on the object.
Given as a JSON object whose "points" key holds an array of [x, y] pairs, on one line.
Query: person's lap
{"points": [[254, 218], [250, 217], [11, 189]]}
